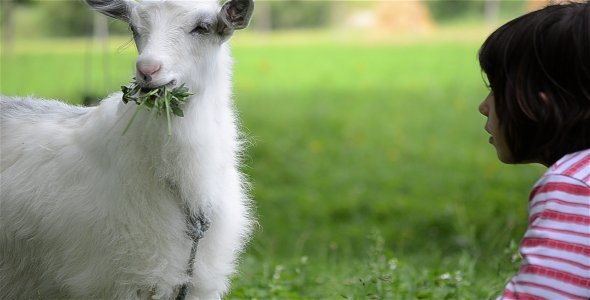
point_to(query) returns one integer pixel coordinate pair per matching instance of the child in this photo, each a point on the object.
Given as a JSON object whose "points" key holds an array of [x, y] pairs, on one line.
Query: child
{"points": [[538, 111]]}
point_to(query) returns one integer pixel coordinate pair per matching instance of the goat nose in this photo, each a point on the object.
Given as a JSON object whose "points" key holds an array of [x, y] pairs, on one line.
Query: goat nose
{"points": [[147, 68]]}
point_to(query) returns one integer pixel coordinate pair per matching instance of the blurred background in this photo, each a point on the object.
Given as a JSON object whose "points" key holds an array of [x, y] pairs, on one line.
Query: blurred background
{"points": [[370, 169]]}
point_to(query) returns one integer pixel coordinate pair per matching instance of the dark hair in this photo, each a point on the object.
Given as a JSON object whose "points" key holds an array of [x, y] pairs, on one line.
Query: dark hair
{"points": [[538, 67]]}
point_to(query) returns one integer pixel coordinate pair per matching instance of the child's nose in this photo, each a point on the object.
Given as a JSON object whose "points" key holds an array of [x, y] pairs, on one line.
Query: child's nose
{"points": [[483, 108]]}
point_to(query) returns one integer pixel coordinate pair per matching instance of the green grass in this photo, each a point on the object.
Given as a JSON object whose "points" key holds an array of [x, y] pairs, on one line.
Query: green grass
{"points": [[371, 171]]}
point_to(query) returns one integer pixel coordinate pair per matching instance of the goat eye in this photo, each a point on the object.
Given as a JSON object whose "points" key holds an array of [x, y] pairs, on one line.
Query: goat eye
{"points": [[201, 28]]}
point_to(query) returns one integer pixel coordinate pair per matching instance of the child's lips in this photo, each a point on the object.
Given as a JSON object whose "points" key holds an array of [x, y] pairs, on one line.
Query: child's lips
{"points": [[491, 139]]}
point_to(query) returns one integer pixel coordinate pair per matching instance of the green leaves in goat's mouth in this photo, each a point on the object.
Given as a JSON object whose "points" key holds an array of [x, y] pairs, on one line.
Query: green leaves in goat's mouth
{"points": [[162, 100]]}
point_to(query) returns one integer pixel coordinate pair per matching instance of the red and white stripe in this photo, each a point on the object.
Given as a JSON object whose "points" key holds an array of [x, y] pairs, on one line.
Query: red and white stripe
{"points": [[556, 246]]}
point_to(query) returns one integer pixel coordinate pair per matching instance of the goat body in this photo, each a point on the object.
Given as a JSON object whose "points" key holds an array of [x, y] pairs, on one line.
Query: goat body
{"points": [[86, 212]]}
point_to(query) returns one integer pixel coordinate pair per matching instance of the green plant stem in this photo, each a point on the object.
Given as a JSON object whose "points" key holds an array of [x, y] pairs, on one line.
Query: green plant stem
{"points": [[167, 102], [132, 118]]}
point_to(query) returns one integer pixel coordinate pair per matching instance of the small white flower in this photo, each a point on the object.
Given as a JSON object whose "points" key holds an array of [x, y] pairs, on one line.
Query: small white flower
{"points": [[392, 264], [277, 273]]}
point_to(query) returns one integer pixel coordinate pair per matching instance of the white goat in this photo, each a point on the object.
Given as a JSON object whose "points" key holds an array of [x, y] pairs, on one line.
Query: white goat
{"points": [[86, 212]]}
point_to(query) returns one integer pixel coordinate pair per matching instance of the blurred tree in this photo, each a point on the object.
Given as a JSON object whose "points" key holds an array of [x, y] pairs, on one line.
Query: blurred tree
{"points": [[73, 18], [299, 14], [7, 26], [66, 18], [262, 19], [6, 19], [444, 10], [491, 10]]}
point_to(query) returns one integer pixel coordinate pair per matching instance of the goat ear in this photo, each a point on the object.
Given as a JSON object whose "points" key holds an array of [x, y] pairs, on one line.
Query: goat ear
{"points": [[235, 14], [118, 9]]}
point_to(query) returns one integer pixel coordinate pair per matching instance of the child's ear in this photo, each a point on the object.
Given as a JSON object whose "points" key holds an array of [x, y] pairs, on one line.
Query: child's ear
{"points": [[544, 98], [118, 9]]}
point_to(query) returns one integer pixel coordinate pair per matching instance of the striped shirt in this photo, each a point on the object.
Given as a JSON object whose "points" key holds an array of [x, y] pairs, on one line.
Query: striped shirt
{"points": [[556, 245]]}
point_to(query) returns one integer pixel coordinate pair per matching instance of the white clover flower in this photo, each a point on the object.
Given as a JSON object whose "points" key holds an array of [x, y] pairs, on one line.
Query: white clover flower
{"points": [[445, 276]]}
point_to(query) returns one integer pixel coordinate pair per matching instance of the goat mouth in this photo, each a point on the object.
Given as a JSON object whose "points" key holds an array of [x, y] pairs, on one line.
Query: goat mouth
{"points": [[146, 88]]}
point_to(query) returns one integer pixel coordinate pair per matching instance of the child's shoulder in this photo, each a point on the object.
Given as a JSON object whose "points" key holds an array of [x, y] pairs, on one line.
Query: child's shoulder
{"points": [[568, 180], [574, 165]]}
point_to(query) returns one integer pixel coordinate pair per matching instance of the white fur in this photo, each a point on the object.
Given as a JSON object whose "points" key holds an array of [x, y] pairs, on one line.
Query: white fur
{"points": [[86, 212]]}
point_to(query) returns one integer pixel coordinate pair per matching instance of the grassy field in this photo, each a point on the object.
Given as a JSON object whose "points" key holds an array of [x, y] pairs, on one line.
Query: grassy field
{"points": [[371, 171]]}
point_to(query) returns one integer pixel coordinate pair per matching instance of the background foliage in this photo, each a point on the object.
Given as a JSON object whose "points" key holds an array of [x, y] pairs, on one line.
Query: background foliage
{"points": [[72, 18]]}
